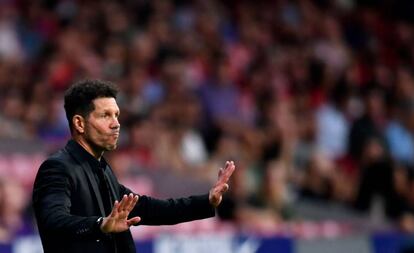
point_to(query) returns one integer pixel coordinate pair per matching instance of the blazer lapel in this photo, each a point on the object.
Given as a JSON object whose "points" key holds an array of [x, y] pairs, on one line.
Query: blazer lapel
{"points": [[89, 174], [110, 176], [92, 181]]}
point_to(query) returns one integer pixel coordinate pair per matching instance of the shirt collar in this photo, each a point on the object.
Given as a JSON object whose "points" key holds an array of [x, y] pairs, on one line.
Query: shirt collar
{"points": [[86, 156]]}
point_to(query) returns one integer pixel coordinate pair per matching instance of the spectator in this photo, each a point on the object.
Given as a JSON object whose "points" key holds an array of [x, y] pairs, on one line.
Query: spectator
{"points": [[399, 133], [13, 202]]}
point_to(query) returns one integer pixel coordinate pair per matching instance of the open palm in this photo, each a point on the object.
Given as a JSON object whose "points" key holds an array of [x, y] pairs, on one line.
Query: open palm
{"points": [[117, 221], [221, 186]]}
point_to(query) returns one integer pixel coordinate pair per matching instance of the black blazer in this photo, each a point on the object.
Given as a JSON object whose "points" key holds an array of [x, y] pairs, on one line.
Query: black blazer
{"points": [[67, 203]]}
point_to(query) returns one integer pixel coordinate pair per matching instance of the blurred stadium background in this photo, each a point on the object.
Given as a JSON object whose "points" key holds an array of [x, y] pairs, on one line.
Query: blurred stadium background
{"points": [[313, 100]]}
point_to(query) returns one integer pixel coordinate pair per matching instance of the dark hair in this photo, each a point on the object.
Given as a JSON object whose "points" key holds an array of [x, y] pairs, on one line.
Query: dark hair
{"points": [[79, 97]]}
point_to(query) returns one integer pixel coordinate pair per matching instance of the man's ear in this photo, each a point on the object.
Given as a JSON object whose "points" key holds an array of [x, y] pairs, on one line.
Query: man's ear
{"points": [[78, 123]]}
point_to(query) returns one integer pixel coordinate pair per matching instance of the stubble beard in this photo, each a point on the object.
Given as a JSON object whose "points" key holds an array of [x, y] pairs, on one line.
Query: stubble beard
{"points": [[111, 147]]}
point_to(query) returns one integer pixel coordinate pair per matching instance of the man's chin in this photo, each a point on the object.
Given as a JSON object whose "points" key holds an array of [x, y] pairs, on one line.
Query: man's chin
{"points": [[111, 147]]}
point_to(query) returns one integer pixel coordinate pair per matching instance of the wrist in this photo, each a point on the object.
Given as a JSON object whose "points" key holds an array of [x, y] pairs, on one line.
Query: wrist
{"points": [[99, 222]]}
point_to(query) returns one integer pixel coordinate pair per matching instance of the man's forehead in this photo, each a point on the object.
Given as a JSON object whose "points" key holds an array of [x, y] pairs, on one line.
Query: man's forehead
{"points": [[105, 103]]}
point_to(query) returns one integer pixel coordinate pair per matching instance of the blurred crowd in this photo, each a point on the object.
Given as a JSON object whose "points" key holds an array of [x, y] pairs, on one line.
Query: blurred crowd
{"points": [[313, 99]]}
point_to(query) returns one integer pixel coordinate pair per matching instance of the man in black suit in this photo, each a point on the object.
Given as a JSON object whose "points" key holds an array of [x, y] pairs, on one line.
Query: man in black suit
{"points": [[79, 204]]}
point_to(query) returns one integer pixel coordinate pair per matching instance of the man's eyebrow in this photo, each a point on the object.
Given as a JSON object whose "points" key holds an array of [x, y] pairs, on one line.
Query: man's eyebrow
{"points": [[107, 110]]}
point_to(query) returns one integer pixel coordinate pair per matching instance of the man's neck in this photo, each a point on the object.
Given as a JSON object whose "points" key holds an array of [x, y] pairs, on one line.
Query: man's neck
{"points": [[88, 148]]}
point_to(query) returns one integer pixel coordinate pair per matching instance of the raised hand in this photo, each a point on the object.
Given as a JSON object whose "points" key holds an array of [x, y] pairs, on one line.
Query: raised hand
{"points": [[221, 186], [117, 221]]}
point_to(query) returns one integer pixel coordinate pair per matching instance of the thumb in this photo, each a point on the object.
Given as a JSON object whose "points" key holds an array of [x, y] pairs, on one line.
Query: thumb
{"points": [[224, 188], [133, 221]]}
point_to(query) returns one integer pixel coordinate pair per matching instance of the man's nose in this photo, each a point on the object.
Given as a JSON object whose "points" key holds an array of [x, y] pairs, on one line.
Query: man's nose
{"points": [[115, 123]]}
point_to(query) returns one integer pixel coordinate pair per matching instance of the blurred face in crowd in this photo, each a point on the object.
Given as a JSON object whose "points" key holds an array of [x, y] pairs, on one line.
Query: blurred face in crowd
{"points": [[99, 131], [373, 150], [375, 104], [12, 199]]}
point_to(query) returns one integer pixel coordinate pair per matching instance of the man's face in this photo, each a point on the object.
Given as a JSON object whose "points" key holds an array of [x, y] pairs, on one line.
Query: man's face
{"points": [[102, 126]]}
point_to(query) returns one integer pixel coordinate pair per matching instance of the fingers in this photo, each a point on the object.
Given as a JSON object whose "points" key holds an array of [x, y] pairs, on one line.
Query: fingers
{"points": [[225, 174], [122, 204], [230, 167], [220, 172], [114, 211], [125, 206], [133, 202]]}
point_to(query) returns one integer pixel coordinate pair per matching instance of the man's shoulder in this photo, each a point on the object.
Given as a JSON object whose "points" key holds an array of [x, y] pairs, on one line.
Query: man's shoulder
{"points": [[60, 158], [60, 155]]}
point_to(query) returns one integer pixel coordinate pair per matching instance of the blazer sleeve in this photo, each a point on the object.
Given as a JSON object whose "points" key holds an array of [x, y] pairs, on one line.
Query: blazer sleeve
{"points": [[52, 203], [171, 211]]}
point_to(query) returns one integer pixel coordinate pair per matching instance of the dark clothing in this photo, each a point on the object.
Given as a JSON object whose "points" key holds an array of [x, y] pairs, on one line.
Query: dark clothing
{"points": [[377, 179], [99, 169], [67, 200], [363, 130]]}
